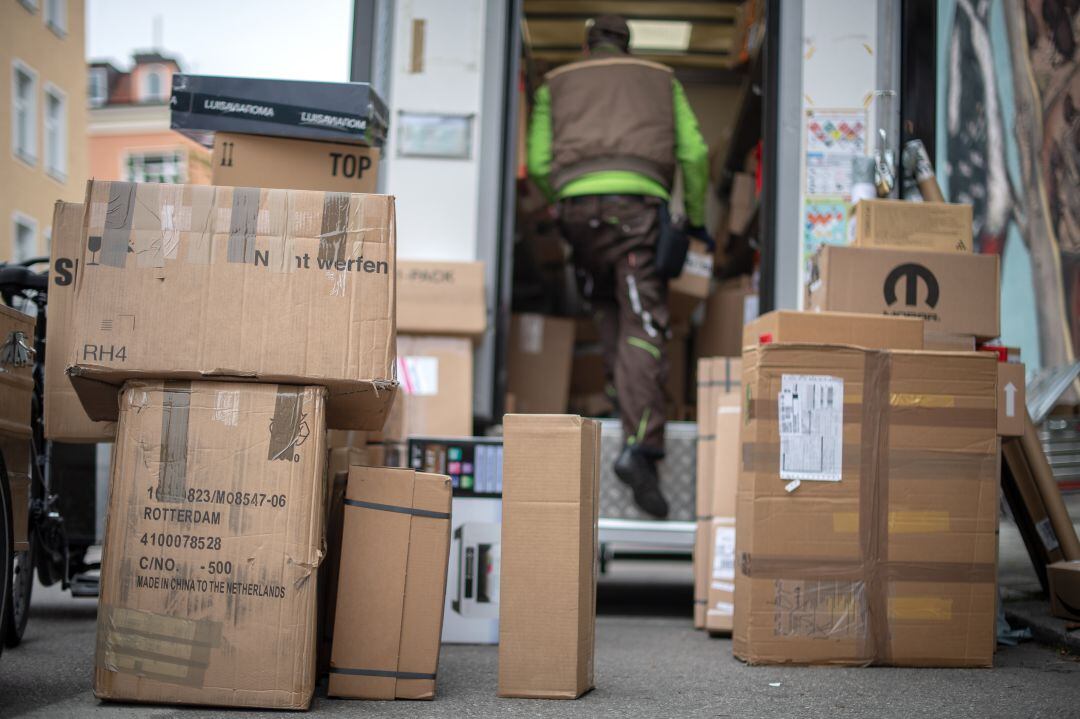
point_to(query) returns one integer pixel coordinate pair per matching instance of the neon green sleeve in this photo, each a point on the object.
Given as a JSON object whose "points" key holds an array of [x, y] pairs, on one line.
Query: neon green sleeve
{"points": [[693, 156], [538, 152]]}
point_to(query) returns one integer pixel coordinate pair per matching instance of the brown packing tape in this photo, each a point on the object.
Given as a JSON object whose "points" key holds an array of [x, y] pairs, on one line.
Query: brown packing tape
{"points": [[832, 569], [874, 498], [168, 649], [335, 222], [288, 427], [941, 412], [939, 466]]}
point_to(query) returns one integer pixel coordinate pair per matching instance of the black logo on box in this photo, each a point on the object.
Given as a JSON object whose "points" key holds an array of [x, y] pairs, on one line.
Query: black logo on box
{"points": [[910, 273]]}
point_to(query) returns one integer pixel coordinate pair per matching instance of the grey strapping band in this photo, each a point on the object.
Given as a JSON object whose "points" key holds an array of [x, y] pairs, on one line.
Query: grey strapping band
{"points": [[401, 510], [380, 673]]}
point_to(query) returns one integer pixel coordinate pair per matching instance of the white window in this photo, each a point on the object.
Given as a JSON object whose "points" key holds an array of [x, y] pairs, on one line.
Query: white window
{"points": [[56, 16], [156, 166], [153, 84], [55, 132], [23, 237], [98, 93], [23, 112]]}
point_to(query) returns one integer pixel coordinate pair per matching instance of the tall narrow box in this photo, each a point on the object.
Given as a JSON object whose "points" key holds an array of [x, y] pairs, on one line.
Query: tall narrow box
{"points": [[395, 547], [547, 615], [213, 537]]}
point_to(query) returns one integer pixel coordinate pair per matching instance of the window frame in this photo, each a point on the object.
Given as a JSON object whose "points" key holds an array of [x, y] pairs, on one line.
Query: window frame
{"points": [[158, 71], [55, 168], [60, 29], [21, 218], [31, 158], [103, 75], [179, 153]]}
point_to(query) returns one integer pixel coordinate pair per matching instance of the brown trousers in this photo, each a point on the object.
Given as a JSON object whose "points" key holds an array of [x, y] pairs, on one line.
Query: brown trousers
{"points": [[614, 241]]}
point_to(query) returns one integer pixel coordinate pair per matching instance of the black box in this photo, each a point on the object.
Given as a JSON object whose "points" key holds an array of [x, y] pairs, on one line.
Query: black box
{"points": [[474, 464], [333, 111]]}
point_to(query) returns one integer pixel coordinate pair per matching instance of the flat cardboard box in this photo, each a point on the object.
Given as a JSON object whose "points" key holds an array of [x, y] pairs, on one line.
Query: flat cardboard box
{"points": [[1028, 509], [195, 282], [235, 470], [948, 343], [955, 292], [733, 304], [258, 161], [841, 328], [540, 353], [1065, 589], [866, 533], [547, 612], [435, 393], [394, 552], [1012, 399], [896, 224], [65, 418], [720, 558], [441, 298], [333, 111], [16, 372]]}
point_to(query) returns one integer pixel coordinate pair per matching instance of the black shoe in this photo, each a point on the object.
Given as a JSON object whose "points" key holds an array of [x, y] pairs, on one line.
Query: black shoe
{"points": [[638, 472]]}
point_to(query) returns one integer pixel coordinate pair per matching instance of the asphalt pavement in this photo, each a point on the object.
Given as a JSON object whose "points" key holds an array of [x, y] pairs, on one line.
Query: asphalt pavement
{"points": [[649, 663]]}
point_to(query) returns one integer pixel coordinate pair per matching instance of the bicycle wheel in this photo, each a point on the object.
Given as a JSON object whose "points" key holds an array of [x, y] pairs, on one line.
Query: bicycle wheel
{"points": [[7, 541]]}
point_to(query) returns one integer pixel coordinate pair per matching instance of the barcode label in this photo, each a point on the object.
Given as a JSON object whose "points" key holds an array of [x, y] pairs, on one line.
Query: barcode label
{"points": [[811, 418], [724, 553], [1047, 534]]}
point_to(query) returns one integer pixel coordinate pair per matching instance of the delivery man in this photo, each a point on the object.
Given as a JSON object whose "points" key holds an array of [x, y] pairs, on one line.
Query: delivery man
{"points": [[605, 137]]}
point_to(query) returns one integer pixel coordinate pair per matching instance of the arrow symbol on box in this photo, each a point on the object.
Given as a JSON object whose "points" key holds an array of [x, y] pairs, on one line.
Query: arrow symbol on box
{"points": [[1010, 400]]}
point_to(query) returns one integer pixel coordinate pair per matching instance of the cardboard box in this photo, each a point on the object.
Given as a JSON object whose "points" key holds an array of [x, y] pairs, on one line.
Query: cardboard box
{"points": [[65, 418], [471, 611], [1028, 509], [540, 352], [937, 342], [956, 293], [1065, 589], [1012, 399], [866, 531], [694, 284], [257, 161], [15, 451], [742, 203], [16, 372], [332, 111], [196, 282], [441, 298], [733, 304], [720, 564], [896, 224], [394, 551], [435, 395], [233, 471], [841, 328], [337, 475], [547, 612]]}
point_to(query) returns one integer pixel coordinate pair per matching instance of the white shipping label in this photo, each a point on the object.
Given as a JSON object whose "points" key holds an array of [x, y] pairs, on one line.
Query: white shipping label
{"points": [[418, 375], [722, 609], [532, 334], [811, 415], [724, 553], [1047, 534], [699, 264], [227, 407], [750, 308]]}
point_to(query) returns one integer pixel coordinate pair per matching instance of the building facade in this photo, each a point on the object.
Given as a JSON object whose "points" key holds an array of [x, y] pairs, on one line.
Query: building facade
{"points": [[129, 135], [43, 119]]}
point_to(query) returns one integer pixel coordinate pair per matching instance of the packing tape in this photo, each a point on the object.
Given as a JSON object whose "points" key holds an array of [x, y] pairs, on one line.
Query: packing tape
{"points": [[169, 649], [380, 673], [920, 609], [900, 522], [394, 508], [288, 427]]}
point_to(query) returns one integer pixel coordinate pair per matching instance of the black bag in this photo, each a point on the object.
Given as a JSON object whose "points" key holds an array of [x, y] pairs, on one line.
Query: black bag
{"points": [[672, 245]]}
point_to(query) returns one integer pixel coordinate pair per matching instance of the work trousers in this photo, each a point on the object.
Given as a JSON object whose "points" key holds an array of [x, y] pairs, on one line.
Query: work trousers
{"points": [[614, 241]]}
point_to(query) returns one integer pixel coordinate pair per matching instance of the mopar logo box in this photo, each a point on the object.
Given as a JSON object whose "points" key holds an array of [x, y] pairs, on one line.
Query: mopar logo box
{"points": [[955, 293]]}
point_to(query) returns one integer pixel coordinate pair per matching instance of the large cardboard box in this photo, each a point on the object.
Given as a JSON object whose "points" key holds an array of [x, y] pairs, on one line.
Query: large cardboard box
{"points": [[200, 282], [394, 552], [547, 612], [1065, 589], [213, 536], [441, 298], [842, 328], [257, 161], [934, 226], [65, 418], [540, 353], [435, 394], [866, 526], [733, 304], [955, 292], [333, 111], [720, 589]]}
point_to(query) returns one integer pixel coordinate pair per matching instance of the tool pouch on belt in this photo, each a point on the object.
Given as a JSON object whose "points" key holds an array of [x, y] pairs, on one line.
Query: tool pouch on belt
{"points": [[671, 246]]}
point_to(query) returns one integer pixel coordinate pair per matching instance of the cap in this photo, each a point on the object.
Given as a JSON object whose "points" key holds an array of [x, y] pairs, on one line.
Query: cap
{"points": [[610, 25]]}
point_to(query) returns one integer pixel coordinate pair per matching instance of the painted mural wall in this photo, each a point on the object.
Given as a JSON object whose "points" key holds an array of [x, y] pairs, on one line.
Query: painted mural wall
{"points": [[1008, 143]]}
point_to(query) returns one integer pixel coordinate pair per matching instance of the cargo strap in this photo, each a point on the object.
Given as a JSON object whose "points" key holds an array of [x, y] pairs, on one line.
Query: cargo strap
{"points": [[380, 673], [400, 510]]}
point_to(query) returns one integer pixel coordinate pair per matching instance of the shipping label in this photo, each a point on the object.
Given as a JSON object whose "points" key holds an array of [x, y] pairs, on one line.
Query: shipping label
{"points": [[724, 553], [811, 417]]}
